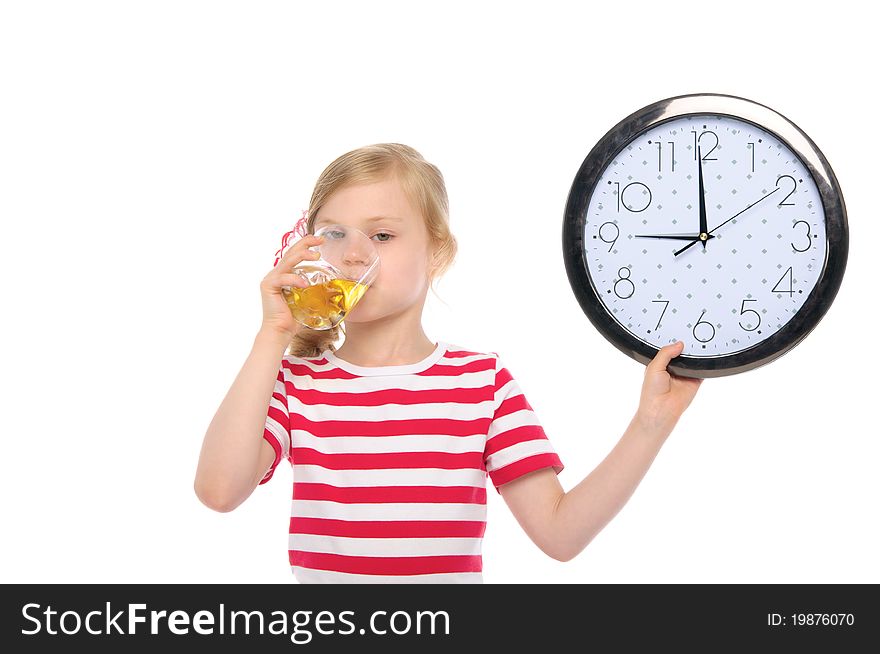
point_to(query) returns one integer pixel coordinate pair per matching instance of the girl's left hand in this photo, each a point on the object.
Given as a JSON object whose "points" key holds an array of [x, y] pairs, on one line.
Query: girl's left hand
{"points": [[665, 396]]}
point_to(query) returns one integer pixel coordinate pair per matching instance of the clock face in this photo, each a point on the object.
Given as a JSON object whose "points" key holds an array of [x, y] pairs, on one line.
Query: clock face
{"points": [[763, 246]]}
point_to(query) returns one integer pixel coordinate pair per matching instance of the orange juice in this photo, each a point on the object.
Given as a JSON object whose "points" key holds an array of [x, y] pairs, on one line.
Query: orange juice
{"points": [[321, 306]]}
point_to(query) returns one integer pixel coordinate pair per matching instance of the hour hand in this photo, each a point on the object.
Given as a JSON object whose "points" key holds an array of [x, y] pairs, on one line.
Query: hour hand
{"points": [[676, 237]]}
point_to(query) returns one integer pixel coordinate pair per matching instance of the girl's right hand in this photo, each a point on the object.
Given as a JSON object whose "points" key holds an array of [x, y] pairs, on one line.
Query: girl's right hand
{"points": [[276, 314]]}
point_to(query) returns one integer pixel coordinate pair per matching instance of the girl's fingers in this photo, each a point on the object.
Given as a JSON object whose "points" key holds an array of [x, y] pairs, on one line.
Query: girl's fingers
{"points": [[291, 279], [665, 355], [300, 248]]}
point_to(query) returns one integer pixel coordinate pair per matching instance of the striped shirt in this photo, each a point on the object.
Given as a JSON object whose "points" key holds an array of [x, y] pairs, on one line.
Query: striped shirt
{"points": [[390, 462]]}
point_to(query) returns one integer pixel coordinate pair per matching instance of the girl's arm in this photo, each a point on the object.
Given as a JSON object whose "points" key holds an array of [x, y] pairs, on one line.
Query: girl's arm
{"points": [[234, 455], [563, 524]]}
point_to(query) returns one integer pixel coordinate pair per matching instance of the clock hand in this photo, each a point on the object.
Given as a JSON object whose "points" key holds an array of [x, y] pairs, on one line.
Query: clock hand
{"points": [[747, 208], [709, 233], [703, 227], [679, 237], [697, 240]]}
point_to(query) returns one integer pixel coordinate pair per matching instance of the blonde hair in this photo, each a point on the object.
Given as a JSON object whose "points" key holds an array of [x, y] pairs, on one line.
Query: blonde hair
{"points": [[423, 185]]}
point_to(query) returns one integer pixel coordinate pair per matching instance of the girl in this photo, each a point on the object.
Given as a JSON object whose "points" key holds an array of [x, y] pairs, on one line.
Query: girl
{"points": [[392, 435]]}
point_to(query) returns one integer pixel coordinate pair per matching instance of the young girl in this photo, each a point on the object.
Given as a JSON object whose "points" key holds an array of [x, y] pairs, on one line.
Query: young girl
{"points": [[392, 435]]}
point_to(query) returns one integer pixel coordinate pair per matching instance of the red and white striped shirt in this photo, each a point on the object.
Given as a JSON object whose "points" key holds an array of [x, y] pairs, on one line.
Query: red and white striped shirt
{"points": [[390, 462]]}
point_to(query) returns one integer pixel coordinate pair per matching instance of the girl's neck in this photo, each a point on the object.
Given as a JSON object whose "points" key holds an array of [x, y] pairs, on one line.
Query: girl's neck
{"points": [[364, 353]]}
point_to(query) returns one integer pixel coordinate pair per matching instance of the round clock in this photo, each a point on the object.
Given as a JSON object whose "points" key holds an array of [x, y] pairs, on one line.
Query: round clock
{"points": [[709, 219]]}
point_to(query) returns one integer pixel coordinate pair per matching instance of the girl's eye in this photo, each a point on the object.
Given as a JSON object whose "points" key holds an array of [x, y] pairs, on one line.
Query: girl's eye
{"points": [[384, 234]]}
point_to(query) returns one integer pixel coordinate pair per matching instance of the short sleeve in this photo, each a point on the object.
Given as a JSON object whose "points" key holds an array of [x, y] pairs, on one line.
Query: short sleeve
{"points": [[277, 427], [516, 443]]}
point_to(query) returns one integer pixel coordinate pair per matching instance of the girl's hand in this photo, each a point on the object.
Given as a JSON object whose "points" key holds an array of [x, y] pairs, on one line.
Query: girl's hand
{"points": [[665, 396], [276, 314]]}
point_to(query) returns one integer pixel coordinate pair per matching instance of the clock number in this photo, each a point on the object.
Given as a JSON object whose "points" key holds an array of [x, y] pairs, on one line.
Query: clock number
{"points": [[620, 195], [752, 148], [794, 186], [704, 322], [743, 310], [660, 155], [790, 291], [616, 234], [697, 140], [624, 279], [662, 313], [809, 236]]}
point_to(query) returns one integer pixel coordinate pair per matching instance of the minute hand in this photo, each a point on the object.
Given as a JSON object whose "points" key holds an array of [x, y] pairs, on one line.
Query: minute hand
{"points": [[677, 252]]}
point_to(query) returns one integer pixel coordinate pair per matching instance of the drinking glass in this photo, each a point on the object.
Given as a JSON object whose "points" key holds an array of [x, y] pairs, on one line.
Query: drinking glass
{"points": [[337, 280]]}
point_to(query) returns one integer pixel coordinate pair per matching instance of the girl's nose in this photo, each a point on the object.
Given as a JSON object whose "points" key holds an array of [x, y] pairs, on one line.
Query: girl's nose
{"points": [[356, 257]]}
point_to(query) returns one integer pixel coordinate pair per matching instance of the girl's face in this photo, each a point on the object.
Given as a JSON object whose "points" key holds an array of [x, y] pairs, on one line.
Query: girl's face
{"points": [[382, 211]]}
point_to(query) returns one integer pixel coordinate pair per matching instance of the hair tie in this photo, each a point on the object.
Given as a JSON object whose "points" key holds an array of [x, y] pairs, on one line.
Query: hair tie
{"points": [[299, 230]]}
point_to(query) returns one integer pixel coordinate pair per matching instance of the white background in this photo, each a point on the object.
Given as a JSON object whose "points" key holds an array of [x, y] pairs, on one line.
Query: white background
{"points": [[152, 155]]}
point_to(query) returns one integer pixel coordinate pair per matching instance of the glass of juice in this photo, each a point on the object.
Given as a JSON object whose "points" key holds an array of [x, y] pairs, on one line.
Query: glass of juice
{"points": [[347, 266]]}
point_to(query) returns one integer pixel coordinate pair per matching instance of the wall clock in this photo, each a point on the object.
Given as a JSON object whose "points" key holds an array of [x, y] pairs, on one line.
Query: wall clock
{"points": [[710, 219]]}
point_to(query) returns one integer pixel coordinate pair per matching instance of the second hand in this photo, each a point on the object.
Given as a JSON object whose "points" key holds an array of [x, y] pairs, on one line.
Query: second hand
{"points": [[727, 221]]}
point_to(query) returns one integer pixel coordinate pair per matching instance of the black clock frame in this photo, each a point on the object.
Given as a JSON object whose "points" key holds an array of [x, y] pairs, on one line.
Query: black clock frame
{"points": [[610, 145]]}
